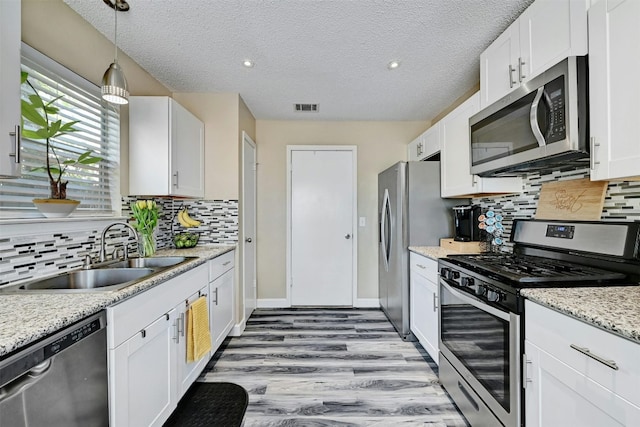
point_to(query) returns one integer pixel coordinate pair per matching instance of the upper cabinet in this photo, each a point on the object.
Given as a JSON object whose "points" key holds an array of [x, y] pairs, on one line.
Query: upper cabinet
{"points": [[426, 145], [614, 61], [455, 157], [546, 32], [10, 88], [166, 148]]}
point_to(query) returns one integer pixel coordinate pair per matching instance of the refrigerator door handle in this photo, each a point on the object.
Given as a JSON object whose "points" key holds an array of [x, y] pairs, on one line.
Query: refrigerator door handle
{"points": [[385, 224]]}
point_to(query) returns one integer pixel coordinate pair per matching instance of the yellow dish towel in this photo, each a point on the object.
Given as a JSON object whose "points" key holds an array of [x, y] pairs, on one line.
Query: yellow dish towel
{"points": [[198, 334]]}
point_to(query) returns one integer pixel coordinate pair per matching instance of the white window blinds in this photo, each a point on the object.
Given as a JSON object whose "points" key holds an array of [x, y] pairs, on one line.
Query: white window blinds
{"points": [[96, 186]]}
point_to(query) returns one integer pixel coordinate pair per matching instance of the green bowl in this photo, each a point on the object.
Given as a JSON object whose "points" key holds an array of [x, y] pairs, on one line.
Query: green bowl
{"points": [[185, 240]]}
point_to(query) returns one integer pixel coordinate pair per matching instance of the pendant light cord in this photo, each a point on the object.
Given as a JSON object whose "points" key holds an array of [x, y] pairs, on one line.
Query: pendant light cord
{"points": [[115, 34]]}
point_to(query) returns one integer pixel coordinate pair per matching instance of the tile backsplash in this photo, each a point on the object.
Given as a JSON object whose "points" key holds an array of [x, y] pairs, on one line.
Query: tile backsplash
{"points": [[37, 255], [622, 200]]}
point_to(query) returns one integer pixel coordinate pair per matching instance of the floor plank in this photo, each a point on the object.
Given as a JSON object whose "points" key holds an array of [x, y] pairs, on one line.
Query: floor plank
{"points": [[332, 367]]}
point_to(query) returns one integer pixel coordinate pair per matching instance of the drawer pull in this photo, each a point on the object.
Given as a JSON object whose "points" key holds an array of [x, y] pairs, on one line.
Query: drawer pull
{"points": [[226, 263], [610, 363], [421, 266]]}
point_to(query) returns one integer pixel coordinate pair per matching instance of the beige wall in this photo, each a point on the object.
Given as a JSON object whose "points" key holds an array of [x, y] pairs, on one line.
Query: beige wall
{"points": [[82, 49], [380, 144]]}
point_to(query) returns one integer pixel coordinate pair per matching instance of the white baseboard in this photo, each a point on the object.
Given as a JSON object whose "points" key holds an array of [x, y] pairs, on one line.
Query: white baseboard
{"points": [[238, 328], [366, 303], [273, 303]]}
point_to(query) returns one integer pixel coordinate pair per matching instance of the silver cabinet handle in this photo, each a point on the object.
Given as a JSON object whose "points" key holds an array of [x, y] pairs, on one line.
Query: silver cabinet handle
{"points": [[143, 333], [592, 154], [435, 302], [512, 82], [421, 266], [419, 149], [348, 236], [610, 363], [226, 263], [248, 240], [216, 292], [521, 75], [17, 144], [525, 371], [175, 179]]}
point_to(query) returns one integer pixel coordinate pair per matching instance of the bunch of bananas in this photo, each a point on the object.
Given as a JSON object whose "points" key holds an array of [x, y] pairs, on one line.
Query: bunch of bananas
{"points": [[185, 220]]}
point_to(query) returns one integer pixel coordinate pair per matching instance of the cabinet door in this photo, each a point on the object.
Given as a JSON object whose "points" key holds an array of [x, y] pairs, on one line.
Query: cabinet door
{"points": [[143, 376], [614, 88], [415, 149], [221, 308], [188, 372], [549, 32], [424, 312], [455, 150], [9, 87], [187, 153], [499, 66], [431, 140], [558, 395]]}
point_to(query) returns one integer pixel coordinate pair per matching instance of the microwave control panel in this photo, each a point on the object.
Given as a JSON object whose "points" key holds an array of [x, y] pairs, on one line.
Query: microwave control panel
{"points": [[554, 93]]}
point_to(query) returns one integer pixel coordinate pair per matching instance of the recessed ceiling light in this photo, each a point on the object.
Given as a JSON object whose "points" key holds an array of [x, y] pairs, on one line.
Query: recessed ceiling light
{"points": [[248, 63], [393, 65]]}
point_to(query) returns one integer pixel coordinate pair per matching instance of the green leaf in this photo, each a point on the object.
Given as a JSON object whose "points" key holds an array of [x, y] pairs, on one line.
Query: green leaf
{"points": [[29, 134], [23, 76], [51, 110], [84, 155], [54, 100], [69, 162], [42, 133], [36, 101], [54, 170], [55, 127], [89, 160], [30, 113], [68, 127], [38, 169]]}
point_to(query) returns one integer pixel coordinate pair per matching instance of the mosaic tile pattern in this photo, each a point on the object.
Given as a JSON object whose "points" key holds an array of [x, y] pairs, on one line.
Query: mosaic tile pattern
{"points": [[622, 201], [35, 256]]}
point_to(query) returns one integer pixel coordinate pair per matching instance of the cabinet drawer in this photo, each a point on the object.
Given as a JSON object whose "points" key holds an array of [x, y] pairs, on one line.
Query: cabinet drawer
{"points": [[424, 266], [218, 266], [555, 333]]}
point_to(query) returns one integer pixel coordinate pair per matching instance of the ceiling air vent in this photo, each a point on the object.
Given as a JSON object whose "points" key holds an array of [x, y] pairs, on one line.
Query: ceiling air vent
{"points": [[306, 108]]}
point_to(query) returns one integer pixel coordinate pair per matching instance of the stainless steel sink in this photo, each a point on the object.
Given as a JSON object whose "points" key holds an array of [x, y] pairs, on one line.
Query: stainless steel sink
{"points": [[106, 279], [155, 262]]}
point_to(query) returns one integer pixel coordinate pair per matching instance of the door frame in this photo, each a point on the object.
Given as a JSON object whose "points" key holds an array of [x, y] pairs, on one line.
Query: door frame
{"points": [[354, 220], [243, 318]]}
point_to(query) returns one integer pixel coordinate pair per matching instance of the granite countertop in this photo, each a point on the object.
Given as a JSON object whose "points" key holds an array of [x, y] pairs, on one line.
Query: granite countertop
{"points": [[433, 252], [614, 309], [25, 318]]}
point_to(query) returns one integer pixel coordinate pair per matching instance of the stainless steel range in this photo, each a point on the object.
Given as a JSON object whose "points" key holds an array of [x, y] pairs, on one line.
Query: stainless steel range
{"points": [[481, 310]]}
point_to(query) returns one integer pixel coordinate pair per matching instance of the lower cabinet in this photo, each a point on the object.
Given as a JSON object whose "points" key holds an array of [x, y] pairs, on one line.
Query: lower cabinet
{"points": [[222, 301], [565, 382], [147, 343], [423, 293]]}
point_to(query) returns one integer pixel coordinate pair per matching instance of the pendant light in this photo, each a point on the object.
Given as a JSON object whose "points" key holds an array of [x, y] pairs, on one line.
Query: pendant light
{"points": [[114, 84]]}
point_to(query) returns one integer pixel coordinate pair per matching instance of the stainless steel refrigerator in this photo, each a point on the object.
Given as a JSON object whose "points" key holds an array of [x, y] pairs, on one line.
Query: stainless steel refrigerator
{"points": [[410, 213]]}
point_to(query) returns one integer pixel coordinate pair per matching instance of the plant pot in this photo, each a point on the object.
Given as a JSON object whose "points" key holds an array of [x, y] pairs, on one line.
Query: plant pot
{"points": [[56, 208], [147, 244]]}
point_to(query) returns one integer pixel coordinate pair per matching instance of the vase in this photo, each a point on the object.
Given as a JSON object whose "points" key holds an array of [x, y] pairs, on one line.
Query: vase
{"points": [[146, 243], [56, 208]]}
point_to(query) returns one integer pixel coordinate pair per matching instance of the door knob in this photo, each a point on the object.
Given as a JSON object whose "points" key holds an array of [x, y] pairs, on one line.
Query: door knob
{"points": [[248, 240], [348, 236]]}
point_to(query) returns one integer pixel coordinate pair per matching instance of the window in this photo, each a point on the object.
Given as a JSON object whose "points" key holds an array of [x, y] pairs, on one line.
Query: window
{"points": [[96, 186]]}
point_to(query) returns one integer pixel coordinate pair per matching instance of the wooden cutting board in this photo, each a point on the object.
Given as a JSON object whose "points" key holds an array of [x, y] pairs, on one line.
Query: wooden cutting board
{"points": [[578, 200]]}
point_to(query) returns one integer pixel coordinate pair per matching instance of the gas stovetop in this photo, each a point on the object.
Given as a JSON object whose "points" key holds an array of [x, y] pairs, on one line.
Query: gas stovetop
{"points": [[533, 270]]}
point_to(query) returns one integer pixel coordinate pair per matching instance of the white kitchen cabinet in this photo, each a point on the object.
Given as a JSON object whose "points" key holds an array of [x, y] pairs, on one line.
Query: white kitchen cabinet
{"points": [[166, 148], [147, 372], [544, 34], [455, 157], [614, 89], [222, 301], [565, 385], [425, 145], [423, 280], [10, 88], [188, 372]]}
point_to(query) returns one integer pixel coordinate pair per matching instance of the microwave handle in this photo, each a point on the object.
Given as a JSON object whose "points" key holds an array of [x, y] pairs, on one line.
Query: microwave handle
{"points": [[533, 117]]}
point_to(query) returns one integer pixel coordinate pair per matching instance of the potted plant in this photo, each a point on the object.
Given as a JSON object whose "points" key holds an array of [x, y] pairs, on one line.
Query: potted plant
{"points": [[45, 126]]}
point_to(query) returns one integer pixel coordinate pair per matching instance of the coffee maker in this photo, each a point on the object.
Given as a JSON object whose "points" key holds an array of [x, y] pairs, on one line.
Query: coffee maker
{"points": [[465, 219]]}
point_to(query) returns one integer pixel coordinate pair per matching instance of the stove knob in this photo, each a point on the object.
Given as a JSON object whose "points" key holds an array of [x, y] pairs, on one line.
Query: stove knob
{"points": [[467, 281], [481, 290], [455, 274], [494, 296], [445, 272]]}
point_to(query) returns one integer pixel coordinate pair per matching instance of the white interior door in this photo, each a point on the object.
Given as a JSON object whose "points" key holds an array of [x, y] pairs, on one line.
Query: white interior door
{"points": [[249, 224], [322, 241]]}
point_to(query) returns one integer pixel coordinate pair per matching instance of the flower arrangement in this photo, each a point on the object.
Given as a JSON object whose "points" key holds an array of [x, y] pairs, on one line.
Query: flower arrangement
{"points": [[145, 213]]}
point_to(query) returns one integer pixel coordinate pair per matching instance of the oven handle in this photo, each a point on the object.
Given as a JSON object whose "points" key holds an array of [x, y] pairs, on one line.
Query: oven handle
{"points": [[533, 118], [477, 303]]}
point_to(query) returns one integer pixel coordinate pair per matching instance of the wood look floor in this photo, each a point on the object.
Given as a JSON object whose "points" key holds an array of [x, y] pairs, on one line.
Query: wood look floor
{"points": [[337, 367]]}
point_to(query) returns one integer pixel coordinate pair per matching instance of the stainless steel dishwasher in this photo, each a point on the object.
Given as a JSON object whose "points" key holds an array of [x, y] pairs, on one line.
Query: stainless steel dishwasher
{"points": [[60, 381]]}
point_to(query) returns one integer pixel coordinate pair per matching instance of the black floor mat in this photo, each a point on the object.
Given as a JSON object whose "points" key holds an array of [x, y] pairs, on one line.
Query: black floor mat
{"points": [[209, 405]]}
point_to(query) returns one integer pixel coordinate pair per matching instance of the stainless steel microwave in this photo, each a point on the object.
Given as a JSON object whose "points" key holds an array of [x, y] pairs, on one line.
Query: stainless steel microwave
{"points": [[543, 125]]}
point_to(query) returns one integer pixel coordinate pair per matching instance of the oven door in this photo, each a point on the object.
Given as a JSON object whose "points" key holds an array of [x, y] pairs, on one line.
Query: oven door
{"points": [[482, 343]]}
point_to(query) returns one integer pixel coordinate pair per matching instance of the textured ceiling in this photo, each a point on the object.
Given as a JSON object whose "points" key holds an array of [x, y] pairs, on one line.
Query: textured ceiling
{"points": [[331, 52]]}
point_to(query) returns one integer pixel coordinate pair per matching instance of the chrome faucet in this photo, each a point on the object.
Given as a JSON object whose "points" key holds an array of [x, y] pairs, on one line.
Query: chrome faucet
{"points": [[103, 251]]}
